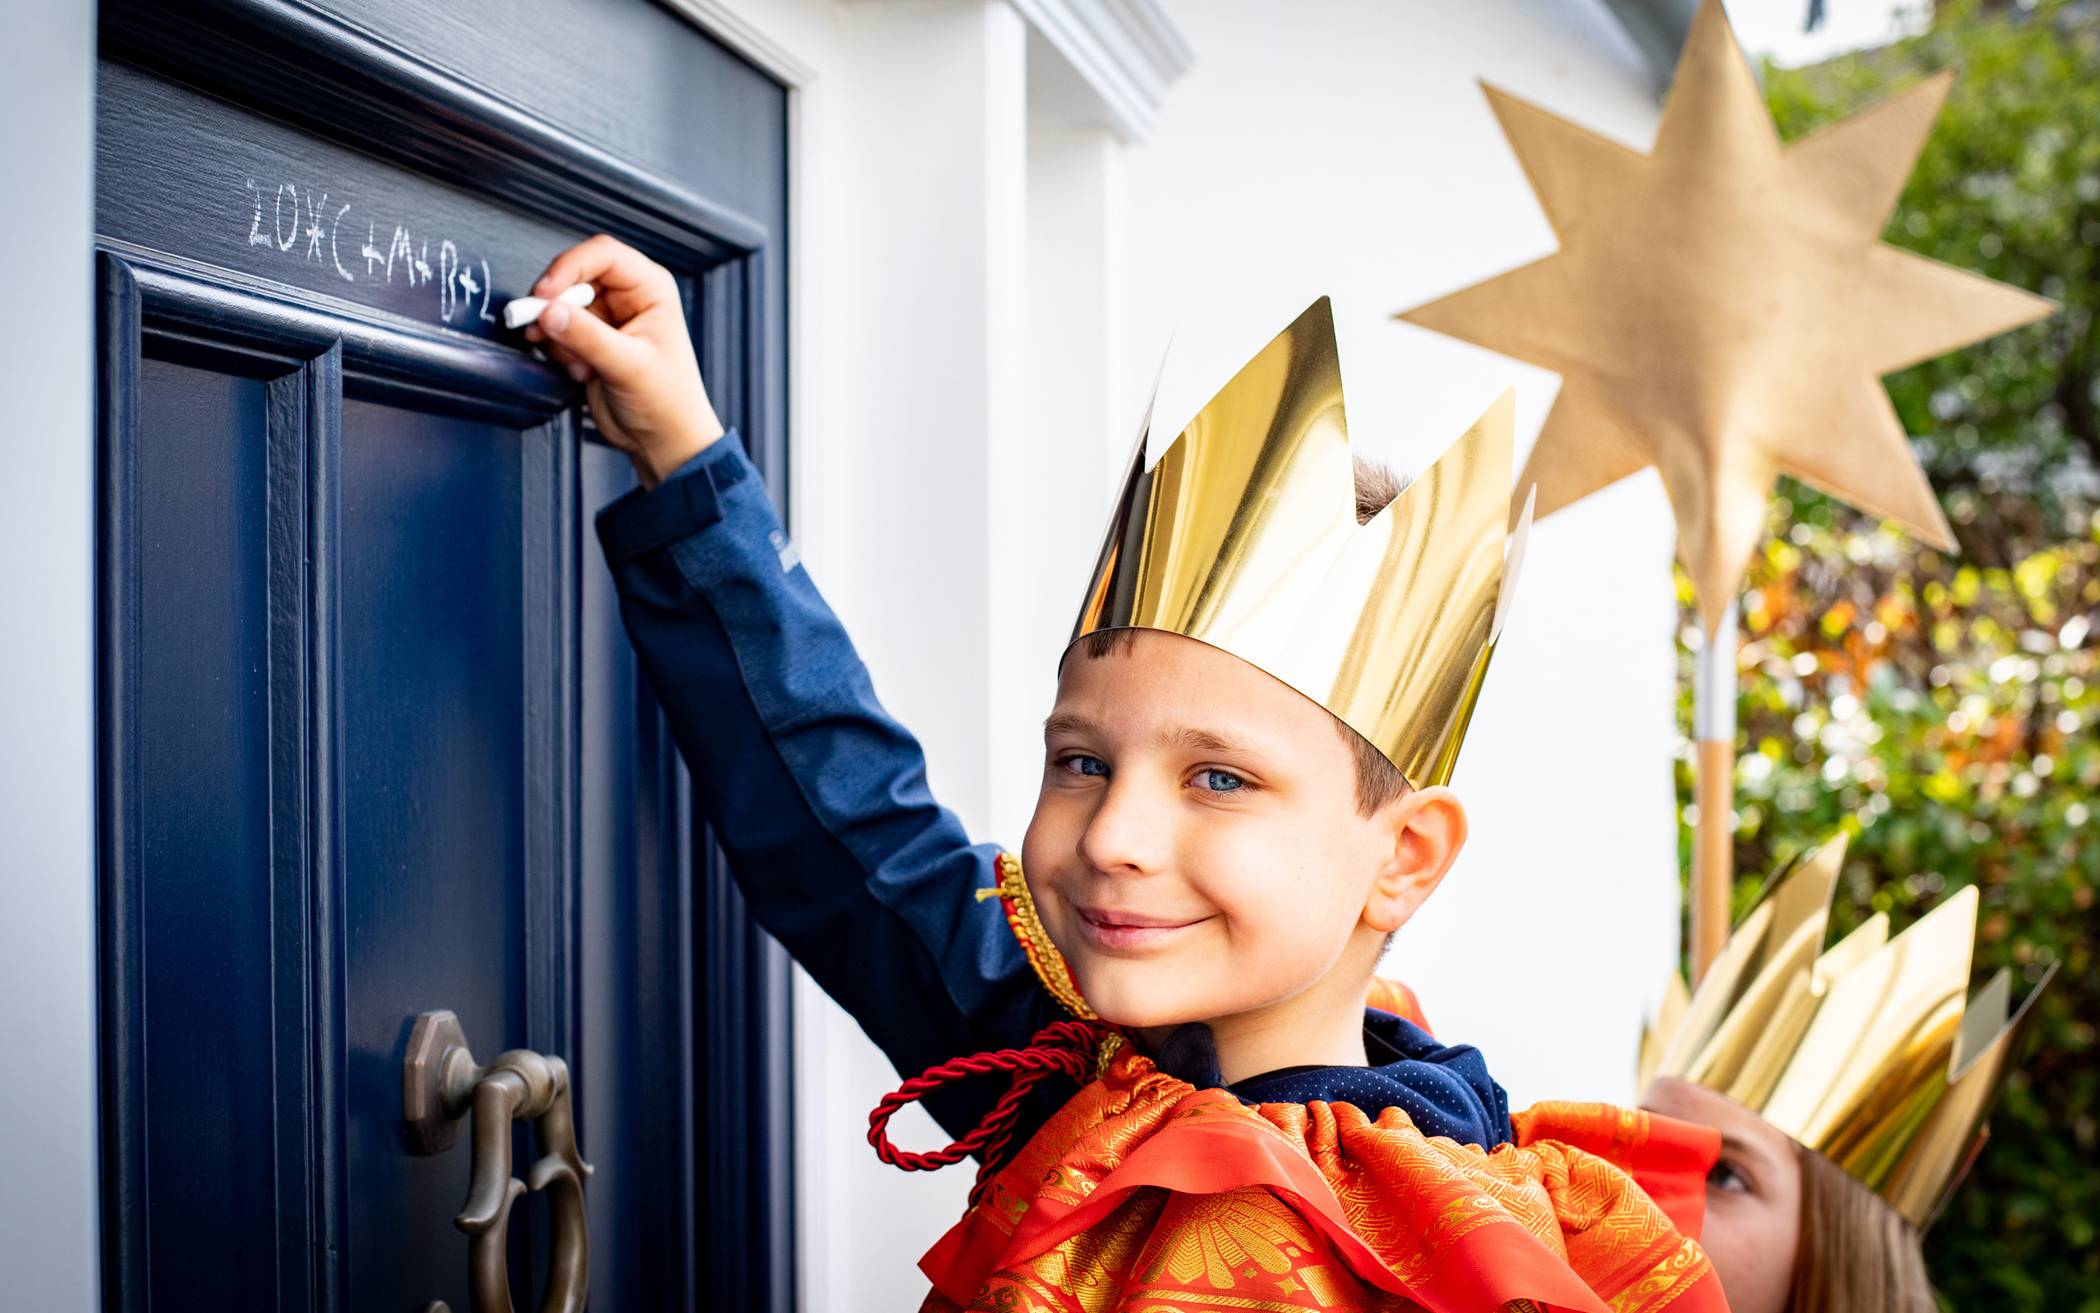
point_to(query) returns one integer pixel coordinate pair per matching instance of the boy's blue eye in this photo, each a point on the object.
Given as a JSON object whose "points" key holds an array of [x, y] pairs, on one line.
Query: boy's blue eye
{"points": [[1219, 781], [1081, 764]]}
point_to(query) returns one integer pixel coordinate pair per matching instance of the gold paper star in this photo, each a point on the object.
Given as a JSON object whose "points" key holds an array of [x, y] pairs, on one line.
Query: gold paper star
{"points": [[1724, 308]]}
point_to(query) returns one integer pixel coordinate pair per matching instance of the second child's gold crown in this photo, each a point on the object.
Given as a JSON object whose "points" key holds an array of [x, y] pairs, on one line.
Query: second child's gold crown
{"points": [[1866, 1051], [1244, 535]]}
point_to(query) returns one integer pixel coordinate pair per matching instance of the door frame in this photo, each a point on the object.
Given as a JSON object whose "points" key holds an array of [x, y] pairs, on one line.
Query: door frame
{"points": [[332, 79]]}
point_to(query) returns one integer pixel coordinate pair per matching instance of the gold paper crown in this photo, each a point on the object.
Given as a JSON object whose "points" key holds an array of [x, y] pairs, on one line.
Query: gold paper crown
{"points": [[1864, 1052], [1244, 535]]}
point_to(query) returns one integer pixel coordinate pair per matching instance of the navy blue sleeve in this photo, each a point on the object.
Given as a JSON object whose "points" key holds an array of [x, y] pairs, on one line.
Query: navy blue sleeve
{"points": [[816, 794]]}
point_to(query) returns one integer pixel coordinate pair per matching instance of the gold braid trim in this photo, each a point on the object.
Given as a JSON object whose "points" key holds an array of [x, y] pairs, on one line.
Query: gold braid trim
{"points": [[1050, 966], [1110, 1046]]}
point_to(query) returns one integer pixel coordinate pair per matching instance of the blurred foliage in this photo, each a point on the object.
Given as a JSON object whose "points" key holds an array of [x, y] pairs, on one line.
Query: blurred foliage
{"points": [[2007, 186], [1941, 709]]}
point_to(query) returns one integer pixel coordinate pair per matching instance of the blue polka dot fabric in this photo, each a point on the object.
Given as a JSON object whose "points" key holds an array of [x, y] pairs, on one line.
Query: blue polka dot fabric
{"points": [[1444, 1089]]}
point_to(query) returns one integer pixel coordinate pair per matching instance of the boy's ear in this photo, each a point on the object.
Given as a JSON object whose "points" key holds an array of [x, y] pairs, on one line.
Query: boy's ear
{"points": [[1427, 827]]}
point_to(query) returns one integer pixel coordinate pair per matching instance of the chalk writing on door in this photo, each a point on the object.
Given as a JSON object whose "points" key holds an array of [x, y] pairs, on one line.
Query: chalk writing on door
{"points": [[301, 224]]}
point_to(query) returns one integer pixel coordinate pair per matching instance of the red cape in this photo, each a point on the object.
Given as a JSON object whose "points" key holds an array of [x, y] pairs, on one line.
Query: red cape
{"points": [[1145, 1192]]}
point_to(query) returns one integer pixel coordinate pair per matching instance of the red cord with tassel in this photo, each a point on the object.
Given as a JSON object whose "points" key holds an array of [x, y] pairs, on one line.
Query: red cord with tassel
{"points": [[1068, 1048]]}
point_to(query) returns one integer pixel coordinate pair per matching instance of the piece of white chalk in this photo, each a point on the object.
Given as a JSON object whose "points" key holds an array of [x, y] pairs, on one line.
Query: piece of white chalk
{"points": [[524, 310]]}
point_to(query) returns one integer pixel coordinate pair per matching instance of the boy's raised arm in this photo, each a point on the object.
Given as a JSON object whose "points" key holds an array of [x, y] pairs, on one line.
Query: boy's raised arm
{"points": [[818, 796]]}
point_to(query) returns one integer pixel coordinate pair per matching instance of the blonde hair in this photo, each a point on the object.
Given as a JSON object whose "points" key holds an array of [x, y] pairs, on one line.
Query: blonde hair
{"points": [[1855, 1251]]}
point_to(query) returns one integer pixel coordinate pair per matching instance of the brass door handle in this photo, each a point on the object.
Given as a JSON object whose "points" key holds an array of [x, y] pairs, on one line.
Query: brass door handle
{"points": [[440, 1083]]}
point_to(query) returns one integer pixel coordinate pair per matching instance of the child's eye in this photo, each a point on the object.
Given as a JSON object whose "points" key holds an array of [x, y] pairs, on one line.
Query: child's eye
{"points": [[1079, 763], [1214, 780], [1725, 1176]]}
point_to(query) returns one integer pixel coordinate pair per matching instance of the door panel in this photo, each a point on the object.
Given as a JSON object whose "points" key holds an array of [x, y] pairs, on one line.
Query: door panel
{"points": [[204, 716], [433, 689], [373, 742]]}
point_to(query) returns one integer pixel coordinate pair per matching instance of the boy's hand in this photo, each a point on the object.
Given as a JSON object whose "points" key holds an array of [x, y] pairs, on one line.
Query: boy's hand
{"points": [[630, 350]]}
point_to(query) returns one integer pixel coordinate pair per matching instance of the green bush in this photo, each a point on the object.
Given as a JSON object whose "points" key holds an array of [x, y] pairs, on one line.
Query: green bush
{"points": [[1942, 710]]}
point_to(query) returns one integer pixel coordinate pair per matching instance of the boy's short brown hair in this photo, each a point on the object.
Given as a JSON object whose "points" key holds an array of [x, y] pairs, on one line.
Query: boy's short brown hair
{"points": [[1378, 781]]}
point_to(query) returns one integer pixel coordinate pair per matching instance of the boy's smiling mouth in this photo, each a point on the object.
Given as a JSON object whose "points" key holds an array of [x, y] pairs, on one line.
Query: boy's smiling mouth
{"points": [[1128, 931]]}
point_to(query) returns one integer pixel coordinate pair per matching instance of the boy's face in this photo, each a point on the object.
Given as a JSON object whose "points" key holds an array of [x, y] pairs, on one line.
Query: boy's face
{"points": [[1197, 851]]}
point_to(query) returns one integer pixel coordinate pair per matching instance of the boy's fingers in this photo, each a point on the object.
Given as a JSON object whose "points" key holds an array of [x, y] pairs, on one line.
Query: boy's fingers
{"points": [[593, 342], [612, 265], [603, 311]]}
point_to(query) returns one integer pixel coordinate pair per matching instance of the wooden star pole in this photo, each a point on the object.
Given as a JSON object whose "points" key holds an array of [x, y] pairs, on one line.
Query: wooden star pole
{"points": [[1713, 791], [1723, 309]]}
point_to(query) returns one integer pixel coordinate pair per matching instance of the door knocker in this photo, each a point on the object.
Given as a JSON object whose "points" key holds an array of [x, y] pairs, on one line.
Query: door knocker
{"points": [[441, 1083]]}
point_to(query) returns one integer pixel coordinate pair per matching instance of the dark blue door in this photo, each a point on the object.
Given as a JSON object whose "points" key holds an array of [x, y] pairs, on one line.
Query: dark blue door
{"points": [[373, 741]]}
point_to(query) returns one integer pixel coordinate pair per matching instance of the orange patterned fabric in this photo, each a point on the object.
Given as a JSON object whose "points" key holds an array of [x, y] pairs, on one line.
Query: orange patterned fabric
{"points": [[1144, 1193]]}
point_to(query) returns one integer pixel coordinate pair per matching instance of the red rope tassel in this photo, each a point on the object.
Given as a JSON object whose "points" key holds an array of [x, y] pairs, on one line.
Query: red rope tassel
{"points": [[1066, 1048]]}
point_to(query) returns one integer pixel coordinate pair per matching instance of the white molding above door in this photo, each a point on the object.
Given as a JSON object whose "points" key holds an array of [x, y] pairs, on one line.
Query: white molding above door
{"points": [[1128, 53], [728, 23]]}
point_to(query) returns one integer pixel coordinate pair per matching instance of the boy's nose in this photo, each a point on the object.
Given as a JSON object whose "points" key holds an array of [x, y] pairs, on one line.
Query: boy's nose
{"points": [[1128, 833]]}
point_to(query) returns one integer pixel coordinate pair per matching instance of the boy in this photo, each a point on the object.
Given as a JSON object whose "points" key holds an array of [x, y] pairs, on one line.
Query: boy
{"points": [[1243, 797]]}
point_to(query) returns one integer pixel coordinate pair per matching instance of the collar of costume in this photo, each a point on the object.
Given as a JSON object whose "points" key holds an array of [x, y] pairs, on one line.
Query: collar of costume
{"points": [[1145, 1188], [1027, 924], [1445, 1089]]}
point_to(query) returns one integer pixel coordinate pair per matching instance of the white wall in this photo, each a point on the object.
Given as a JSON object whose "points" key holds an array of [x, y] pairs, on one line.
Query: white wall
{"points": [[909, 185], [956, 295], [910, 290], [47, 940]]}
